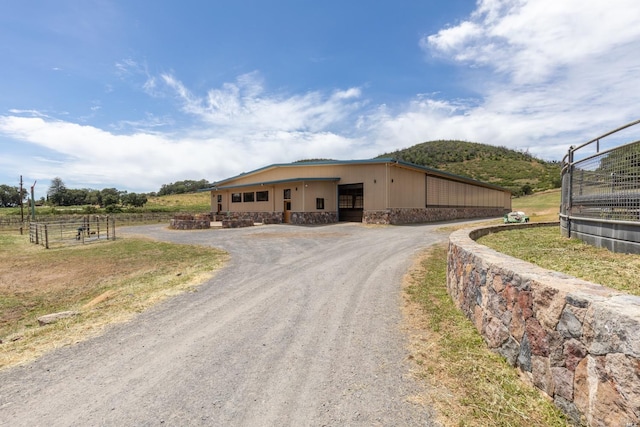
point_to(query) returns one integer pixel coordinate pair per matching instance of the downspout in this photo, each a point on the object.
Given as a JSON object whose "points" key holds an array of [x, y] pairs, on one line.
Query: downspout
{"points": [[304, 206], [386, 185]]}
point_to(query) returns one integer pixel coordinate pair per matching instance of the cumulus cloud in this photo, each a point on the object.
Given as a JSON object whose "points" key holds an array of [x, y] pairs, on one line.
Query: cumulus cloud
{"points": [[244, 104]]}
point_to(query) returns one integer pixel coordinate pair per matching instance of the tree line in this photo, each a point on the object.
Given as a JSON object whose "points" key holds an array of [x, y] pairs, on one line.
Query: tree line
{"points": [[58, 194], [109, 198]]}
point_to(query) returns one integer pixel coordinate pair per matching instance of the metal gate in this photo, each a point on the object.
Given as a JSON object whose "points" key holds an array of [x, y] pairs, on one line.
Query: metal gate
{"points": [[350, 202]]}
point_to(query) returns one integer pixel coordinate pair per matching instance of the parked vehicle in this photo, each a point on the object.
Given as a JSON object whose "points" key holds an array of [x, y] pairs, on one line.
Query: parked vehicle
{"points": [[515, 216]]}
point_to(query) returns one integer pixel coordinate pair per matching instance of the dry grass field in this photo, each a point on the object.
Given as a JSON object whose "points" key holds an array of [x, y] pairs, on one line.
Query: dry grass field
{"points": [[104, 282]]}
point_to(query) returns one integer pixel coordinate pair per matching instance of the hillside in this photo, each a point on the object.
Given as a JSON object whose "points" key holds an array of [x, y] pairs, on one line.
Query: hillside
{"points": [[519, 172]]}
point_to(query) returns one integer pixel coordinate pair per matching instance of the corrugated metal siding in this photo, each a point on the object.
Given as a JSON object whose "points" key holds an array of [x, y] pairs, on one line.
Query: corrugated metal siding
{"points": [[445, 192]]}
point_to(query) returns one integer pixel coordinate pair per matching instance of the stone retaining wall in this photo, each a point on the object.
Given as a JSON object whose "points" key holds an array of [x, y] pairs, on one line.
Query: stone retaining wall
{"points": [[190, 222], [577, 341], [399, 216]]}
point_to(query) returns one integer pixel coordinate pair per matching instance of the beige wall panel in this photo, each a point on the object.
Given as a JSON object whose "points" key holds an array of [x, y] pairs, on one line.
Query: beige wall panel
{"points": [[407, 189], [444, 192], [325, 190]]}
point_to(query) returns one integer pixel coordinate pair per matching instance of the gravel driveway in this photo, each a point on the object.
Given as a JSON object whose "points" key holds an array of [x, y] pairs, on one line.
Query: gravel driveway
{"points": [[301, 328]]}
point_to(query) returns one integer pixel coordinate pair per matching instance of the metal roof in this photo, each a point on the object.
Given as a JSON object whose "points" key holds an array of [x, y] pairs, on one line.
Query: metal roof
{"points": [[261, 183], [385, 160]]}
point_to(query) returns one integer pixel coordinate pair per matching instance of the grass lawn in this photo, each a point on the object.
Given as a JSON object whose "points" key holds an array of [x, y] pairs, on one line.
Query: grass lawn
{"points": [[546, 248]]}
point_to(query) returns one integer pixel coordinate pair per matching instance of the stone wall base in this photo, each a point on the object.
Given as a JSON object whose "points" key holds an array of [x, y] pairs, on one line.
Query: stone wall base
{"points": [[237, 223], [311, 218], [256, 217], [399, 216]]}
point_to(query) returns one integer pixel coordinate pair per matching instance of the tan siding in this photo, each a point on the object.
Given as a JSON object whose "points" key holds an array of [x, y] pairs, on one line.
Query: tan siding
{"points": [[407, 188], [445, 192], [325, 190]]}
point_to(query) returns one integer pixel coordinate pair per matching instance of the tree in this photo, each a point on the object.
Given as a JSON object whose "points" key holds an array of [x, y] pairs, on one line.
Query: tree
{"points": [[10, 196], [56, 192], [181, 187], [133, 199], [110, 197]]}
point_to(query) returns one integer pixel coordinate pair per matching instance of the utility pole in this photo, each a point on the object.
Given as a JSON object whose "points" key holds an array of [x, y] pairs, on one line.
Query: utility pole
{"points": [[21, 204], [33, 203]]}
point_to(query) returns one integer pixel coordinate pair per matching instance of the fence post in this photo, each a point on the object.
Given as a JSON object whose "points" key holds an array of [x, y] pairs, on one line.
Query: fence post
{"points": [[113, 226], [46, 237], [570, 192]]}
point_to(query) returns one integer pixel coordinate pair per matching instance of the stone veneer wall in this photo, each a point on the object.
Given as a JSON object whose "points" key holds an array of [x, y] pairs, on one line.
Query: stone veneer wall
{"points": [[310, 218], [297, 218], [422, 215], [262, 217], [190, 222], [577, 341]]}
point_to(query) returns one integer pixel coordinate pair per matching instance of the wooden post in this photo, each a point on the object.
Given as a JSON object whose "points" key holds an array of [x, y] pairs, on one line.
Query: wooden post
{"points": [[113, 226], [46, 237]]}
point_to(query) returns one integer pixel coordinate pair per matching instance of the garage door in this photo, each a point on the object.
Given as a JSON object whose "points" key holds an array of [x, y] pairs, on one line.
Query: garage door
{"points": [[350, 202]]}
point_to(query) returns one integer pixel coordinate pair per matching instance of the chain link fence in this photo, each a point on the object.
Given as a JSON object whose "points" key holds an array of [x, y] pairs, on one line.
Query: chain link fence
{"points": [[601, 190]]}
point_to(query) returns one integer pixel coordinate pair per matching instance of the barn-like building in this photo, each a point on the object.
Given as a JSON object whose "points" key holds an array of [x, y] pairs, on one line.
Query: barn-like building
{"points": [[375, 191]]}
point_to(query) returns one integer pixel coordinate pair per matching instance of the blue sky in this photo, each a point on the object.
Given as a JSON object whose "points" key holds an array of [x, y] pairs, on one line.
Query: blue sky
{"points": [[133, 95]]}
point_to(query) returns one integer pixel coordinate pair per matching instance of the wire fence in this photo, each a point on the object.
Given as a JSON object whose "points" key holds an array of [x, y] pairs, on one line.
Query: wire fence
{"points": [[72, 232], [14, 223], [601, 190]]}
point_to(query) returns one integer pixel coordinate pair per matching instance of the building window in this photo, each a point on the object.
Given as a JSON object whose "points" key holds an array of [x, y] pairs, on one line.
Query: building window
{"points": [[287, 194], [219, 198], [236, 197], [320, 203], [248, 197], [262, 196]]}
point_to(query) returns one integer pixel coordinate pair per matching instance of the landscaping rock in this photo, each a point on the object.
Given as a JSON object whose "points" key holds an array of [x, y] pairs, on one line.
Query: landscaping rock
{"points": [[54, 317]]}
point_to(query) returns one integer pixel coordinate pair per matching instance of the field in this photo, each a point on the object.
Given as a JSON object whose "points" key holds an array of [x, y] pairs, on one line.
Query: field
{"points": [[191, 202], [104, 283]]}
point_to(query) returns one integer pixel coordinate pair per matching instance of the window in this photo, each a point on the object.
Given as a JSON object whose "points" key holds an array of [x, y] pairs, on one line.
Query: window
{"points": [[287, 194], [219, 198], [236, 197], [248, 197], [319, 203], [262, 196]]}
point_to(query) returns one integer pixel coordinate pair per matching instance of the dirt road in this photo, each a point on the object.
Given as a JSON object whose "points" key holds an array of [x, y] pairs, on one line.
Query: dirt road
{"points": [[302, 328]]}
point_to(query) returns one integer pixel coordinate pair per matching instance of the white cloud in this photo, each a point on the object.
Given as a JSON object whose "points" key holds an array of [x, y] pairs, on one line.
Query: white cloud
{"points": [[245, 105], [530, 40]]}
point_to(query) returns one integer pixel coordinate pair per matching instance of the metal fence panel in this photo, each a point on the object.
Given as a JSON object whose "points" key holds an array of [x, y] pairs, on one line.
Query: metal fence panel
{"points": [[601, 193]]}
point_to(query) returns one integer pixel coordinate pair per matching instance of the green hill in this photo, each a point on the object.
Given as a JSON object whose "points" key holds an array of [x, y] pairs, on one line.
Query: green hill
{"points": [[518, 171]]}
